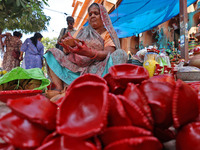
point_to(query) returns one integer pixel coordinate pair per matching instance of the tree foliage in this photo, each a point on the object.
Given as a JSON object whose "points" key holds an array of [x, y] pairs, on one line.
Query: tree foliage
{"points": [[25, 15], [49, 43]]}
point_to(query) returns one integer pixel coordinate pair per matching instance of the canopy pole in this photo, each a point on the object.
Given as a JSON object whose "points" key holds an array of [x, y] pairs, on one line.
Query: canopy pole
{"points": [[183, 16]]}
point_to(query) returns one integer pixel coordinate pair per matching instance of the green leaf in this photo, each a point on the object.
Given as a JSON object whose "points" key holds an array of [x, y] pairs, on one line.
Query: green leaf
{"points": [[27, 17], [23, 3]]}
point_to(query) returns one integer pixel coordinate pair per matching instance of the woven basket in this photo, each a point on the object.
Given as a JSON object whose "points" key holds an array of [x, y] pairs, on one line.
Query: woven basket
{"points": [[189, 76]]}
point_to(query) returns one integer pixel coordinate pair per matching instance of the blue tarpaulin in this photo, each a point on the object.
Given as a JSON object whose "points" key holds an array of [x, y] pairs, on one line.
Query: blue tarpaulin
{"points": [[132, 17]]}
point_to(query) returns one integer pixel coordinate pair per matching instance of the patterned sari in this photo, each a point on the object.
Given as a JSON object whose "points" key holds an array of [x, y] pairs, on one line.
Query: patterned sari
{"points": [[9, 61], [69, 67]]}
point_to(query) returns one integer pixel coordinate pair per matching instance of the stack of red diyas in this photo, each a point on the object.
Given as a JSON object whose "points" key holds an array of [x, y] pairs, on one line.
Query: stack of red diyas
{"points": [[96, 115]]}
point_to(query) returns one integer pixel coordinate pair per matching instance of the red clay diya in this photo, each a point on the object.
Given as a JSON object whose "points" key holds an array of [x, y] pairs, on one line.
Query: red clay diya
{"points": [[137, 117], [37, 109], [87, 77], [129, 73], [134, 94], [117, 115], [20, 132], [114, 86], [6, 146], [121, 75], [137, 143], [164, 78], [13, 94], [188, 137], [83, 112], [122, 132], [185, 104], [196, 50], [159, 96], [62, 142]]}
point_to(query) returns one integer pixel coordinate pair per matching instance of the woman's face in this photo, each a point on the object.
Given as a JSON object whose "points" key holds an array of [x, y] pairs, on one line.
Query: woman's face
{"points": [[70, 24], [95, 17]]}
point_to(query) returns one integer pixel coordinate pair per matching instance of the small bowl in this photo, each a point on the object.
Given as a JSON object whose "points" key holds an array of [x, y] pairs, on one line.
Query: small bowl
{"points": [[143, 142], [125, 73], [13, 94], [30, 108], [122, 132], [85, 78], [70, 42], [83, 112]]}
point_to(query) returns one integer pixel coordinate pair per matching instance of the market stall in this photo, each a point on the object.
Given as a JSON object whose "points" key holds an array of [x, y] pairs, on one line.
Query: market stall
{"points": [[126, 109]]}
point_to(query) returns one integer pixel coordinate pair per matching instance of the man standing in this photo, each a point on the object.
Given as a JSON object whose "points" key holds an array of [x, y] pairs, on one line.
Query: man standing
{"points": [[70, 28]]}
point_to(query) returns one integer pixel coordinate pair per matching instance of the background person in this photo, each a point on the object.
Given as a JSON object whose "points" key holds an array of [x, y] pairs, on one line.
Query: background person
{"points": [[34, 51], [2, 38], [98, 50], [63, 32], [12, 51]]}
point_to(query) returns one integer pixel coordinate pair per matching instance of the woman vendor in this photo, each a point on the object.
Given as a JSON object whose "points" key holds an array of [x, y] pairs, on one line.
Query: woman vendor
{"points": [[97, 50]]}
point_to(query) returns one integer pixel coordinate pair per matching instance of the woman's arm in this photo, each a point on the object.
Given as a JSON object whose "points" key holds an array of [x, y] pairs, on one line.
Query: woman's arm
{"points": [[21, 56], [19, 45], [101, 55]]}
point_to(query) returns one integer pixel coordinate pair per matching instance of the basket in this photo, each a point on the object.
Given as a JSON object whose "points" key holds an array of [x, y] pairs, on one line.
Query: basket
{"points": [[189, 76], [13, 94]]}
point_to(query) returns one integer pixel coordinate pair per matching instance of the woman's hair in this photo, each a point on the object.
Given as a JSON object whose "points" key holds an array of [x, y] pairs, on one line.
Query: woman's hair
{"points": [[35, 38], [93, 4], [17, 34]]}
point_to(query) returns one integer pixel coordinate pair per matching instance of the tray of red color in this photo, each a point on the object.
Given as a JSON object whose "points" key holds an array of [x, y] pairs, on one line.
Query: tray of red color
{"points": [[13, 94]]}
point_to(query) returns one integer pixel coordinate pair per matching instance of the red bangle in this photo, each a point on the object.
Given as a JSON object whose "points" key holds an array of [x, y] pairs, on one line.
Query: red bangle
{"points": [[94, 56]]}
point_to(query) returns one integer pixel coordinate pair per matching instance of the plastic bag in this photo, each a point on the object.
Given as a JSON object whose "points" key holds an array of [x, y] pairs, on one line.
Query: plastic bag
{"points": [[20, 73], [23, 64]]}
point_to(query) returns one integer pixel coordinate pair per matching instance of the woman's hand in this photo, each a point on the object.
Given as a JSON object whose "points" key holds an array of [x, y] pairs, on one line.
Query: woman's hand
{"points": [[20, 58], [81, 49], [67, 36], [65, 50]]}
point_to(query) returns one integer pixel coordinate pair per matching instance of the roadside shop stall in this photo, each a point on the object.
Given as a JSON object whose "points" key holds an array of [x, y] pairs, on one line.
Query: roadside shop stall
{"points": [[131, 107]]}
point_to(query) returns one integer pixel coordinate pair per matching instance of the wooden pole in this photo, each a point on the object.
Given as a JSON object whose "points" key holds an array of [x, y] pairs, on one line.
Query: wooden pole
{"points": [[183, 16]]}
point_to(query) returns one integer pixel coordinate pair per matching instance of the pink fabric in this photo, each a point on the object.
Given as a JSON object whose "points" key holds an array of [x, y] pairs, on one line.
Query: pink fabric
{"points": [[93, 40]]}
